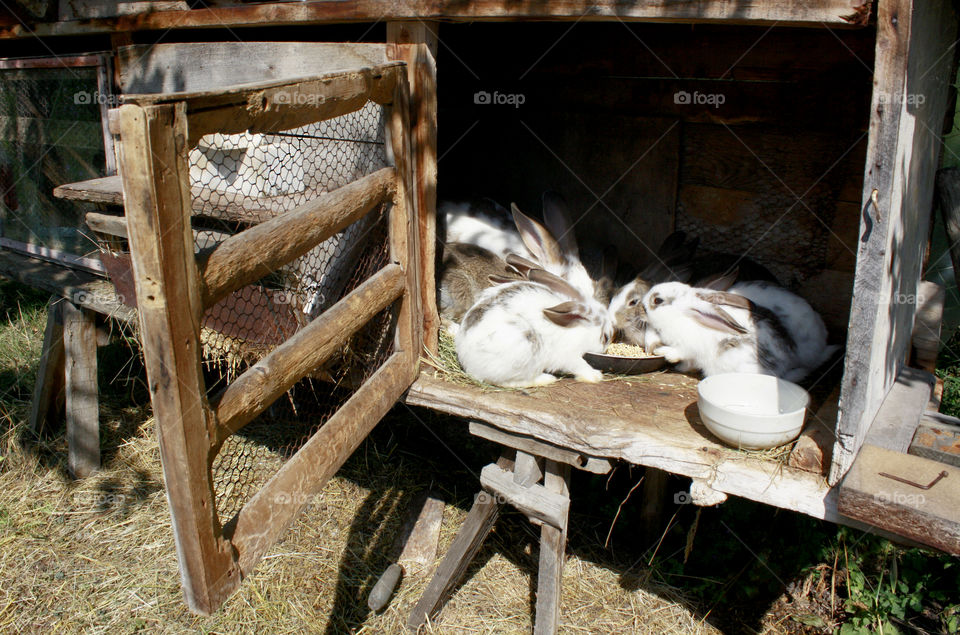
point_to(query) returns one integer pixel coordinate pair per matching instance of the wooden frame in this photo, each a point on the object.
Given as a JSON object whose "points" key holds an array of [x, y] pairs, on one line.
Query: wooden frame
{"points": [[174, 287]]}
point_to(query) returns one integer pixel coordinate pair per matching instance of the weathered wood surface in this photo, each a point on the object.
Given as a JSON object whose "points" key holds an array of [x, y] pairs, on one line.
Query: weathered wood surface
{"points": [[87, 290], [931, 517], [834, 13], [116, 226], [263, 520], [262, 249], [480, 520], [899, 415], [157, 180], [49, 391], [421, 541], [55, 256], [651, 421], [938, 439], [282, 104], [261, 384], [553, 543], [925, 340], [536, 501], [107, 190], [528, 444], [415, 43], [814, 446], [652, 504], [902, 158], [82, 406], [205, 66], [91, 9]]}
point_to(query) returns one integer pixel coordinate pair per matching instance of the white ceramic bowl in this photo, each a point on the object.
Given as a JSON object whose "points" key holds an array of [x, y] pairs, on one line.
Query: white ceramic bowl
{"points": [[752, 411]]}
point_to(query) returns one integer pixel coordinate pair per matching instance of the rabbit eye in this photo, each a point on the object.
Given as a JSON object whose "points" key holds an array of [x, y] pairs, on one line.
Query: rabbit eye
{"points": [[633, 302], [656, 300]]}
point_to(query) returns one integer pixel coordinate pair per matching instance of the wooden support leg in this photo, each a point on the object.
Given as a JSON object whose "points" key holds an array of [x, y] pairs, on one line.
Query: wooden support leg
{"points": [[483, 514], [553, 542], [83, 411], [651, 511], [49, 391]]}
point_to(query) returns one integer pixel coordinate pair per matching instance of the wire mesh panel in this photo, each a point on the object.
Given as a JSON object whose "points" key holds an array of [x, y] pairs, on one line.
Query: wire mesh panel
{"points": [[50, 134]]}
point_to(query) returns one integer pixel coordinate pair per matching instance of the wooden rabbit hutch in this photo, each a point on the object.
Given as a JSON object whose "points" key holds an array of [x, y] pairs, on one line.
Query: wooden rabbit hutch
{"points": [[803, 134]]}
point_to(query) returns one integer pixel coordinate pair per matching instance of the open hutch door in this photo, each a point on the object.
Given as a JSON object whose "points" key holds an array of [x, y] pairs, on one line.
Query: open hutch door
{"points": [[316, 245]]}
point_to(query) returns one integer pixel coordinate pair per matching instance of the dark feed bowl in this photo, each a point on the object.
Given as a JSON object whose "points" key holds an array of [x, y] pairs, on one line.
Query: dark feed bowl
{"points": [[617, 365]]}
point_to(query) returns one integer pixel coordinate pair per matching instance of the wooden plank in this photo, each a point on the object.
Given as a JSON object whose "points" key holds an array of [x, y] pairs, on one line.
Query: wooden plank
{"points": [[404, 237], [578, 460], [902, 158], [204, 66], [526, 469], [834, 13], [480, 520], [815, 444], [420, 547], [49, 391], [937, 439], [109, 224], [87, 290], [925, 339], [91, 9], [931, 517], [105, 87], [156, 179], [898, 417], [261, 384], [415, 43], [56, 256], [652, 504], [80, 372], [536, 501], [553, 543], [262, 249], [106, 189], [266, 516]]}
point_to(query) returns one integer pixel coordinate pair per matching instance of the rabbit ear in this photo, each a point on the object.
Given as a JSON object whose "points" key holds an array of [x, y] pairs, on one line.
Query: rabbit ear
{"points": [[521, 264], [537, 239], [720, 281], [556, 215], [566, 313], [501, 279], [729, 299], [716, 318], [553, 282]]}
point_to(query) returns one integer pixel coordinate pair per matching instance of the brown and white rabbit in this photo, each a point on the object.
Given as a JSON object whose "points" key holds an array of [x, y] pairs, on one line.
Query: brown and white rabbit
{"points": [[755, 327], [519, 333], [465, 271]]}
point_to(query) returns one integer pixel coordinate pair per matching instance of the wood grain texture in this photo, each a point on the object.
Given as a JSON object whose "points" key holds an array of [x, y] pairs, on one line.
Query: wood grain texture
{"points": [[902, 157], [106, 189], [925, 339], [82, 405], [815, 443], [899, 415], [262, 249], [415, 43], [836, 13], [553, 544], [931, 517], [261, 384], [267, 515], [156, 183], [49, 391], [528, 444], [938, 439], [536, 501]]}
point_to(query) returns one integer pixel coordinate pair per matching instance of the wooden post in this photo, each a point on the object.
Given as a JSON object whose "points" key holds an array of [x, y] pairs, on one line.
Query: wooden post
{"points": [[49, 390], [651, 507], [156, 189], [553, 543], [83, 411], [416, 44]]}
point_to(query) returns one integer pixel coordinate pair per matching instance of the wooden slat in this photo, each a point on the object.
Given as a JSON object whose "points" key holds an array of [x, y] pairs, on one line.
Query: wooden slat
{"points": [[931, 517], [533, 446], [902, 158], [114, 225], [938, 439], [416, 44], [156, 181], [49, 389], [553, 543], [834, 13], [253, 253], [899, 415], [82, 408], [261, 384], [404, 237], [106, 189], [534, 500], [264, 519], [813, 449], [55, 256]]}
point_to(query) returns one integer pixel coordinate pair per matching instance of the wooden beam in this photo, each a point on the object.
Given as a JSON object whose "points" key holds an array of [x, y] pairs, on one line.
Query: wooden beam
{"points": [[899, 415], [578, 460], [930, 516], [415, 43], [83, 410], [49, 389], [263, 520], [937, 439], [107, 190], [553, 544], [533, 500], [816, 13], [261, 384], [262, 249], [115, 225], [156, 179]]}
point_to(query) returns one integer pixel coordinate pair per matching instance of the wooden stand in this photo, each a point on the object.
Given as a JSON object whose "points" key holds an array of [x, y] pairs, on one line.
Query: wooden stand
{"points": [[536, 481]]}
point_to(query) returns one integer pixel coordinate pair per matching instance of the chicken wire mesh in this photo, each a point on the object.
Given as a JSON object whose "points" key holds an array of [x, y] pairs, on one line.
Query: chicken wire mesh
{"points": [[240, 180]]}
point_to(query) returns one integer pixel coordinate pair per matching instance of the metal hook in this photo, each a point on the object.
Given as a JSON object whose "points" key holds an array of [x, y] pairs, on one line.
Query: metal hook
{"points": [[940, 476]]}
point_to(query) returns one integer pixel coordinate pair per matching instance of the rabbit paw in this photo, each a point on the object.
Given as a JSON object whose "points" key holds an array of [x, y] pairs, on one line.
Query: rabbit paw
{"points": [[591, 376], [671, 354]]}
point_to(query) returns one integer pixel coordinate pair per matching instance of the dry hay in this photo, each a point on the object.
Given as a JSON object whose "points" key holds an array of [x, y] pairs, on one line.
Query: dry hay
{"points": [[98, 556]]}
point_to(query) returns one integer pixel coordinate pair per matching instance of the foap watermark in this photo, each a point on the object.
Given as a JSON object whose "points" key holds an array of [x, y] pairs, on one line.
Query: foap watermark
{"points": [[908, 298], [899, 498], [296, 98], [83, 97], [97, 298], [483, 98], [697, 98], [99, 500], [896, 99], [682, 498], [286, 498]]}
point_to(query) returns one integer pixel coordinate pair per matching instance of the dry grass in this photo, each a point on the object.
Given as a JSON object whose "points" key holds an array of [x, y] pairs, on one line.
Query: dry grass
{"points": [[98, 556]]}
